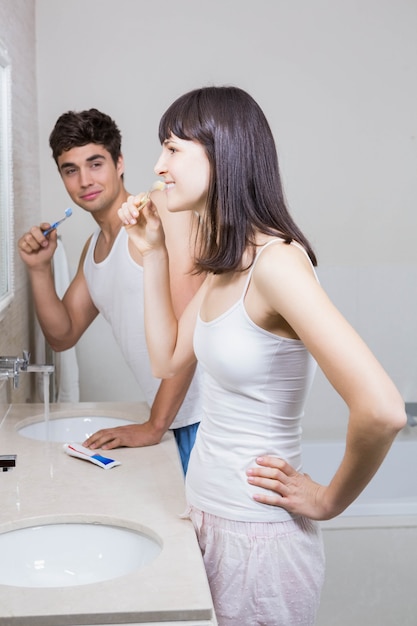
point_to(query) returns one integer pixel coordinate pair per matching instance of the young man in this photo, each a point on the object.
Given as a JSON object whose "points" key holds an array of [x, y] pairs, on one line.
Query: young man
{"points": [[86, 147]]}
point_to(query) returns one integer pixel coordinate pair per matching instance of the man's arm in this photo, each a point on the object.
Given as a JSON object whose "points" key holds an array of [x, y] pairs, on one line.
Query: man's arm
{"points": [[62, 321], [170, 395]]}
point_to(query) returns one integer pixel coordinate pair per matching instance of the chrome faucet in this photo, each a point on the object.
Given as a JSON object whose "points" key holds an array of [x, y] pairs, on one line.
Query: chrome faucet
{"points": [[11, 366]]}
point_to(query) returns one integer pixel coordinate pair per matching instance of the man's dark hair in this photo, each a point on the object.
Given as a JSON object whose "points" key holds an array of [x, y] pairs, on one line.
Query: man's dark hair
{"points": [[74, 129]]}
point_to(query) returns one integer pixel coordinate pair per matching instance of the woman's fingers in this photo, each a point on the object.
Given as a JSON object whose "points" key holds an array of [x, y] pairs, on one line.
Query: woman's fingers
{"points": [[129, 212], [285, 487], [271, 473]]}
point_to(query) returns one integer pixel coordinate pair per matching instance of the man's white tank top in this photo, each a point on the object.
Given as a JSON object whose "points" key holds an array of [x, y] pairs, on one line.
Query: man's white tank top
{"points": [[116, 288], [255, 385]]}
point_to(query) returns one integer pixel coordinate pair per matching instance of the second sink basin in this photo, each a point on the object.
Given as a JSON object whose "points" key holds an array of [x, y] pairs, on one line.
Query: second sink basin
{"points": [[74, 429], [70, 554]]}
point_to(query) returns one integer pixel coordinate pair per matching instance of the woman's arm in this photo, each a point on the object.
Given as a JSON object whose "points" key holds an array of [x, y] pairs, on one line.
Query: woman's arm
{"points": [[170, 342], [285, 282]]}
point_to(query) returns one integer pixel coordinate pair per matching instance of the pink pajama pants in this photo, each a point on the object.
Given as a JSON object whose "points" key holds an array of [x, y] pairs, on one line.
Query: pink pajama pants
{"points": [[262, 573]]}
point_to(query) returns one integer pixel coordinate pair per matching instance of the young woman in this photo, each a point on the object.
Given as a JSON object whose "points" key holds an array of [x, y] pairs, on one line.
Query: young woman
{"points": [[258, 325]]}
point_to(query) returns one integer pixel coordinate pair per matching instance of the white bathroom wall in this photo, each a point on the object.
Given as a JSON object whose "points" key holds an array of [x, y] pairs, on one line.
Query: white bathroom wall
{"points": [[337, 82]]}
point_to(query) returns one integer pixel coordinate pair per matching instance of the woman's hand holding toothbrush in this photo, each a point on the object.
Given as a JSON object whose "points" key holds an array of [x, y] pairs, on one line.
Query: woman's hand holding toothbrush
{"points": [[140, 218]]}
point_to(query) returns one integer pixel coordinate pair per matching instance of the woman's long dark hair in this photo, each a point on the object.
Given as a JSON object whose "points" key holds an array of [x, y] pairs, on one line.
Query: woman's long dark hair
{"points": [[245, 192]]}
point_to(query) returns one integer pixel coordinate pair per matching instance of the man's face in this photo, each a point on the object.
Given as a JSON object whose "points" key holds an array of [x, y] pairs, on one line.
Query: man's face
{"points": [[91, 178]]}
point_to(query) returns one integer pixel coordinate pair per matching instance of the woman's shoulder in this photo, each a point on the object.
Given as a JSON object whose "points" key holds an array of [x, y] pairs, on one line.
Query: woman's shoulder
{"points": [[280, 248], [278, 259]]}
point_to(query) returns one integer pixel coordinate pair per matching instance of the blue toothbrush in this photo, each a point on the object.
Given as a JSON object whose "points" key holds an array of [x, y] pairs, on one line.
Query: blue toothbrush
{"points": [[68, 213]]}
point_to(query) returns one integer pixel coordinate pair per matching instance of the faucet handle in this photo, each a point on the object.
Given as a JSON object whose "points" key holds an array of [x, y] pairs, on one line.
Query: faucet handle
{"points": [[20, 365], [11, 366], [25, 361]]}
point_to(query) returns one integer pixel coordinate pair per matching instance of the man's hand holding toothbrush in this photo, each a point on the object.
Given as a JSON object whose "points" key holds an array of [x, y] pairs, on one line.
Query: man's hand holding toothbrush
{"points": [[37, 246]]}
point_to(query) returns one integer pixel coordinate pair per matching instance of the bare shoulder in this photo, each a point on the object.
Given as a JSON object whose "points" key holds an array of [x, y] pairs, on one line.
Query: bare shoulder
{"points": [[284, 276], [83, 255], [282, 261], [85, 248]]}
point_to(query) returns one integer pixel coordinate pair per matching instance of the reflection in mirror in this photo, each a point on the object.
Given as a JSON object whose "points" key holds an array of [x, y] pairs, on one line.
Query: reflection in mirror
{"points": [[6, 186]]}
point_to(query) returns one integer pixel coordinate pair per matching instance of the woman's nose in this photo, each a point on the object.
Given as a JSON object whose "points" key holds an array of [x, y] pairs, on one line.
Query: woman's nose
{"points": [[159, 168]]}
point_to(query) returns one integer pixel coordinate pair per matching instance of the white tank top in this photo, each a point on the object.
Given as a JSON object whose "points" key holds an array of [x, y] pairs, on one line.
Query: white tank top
{"points": [[116, 288], [255, 385]]}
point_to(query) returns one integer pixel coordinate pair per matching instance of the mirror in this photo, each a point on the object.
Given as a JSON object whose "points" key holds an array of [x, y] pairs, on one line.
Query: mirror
{"points": [[6, 185]]}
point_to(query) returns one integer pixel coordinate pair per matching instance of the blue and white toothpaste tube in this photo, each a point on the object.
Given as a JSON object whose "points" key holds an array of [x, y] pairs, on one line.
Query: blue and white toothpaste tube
{"points": [[77, 450]]}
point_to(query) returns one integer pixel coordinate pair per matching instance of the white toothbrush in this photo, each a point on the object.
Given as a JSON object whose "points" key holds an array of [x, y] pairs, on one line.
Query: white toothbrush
{"points": [[68, 213]]}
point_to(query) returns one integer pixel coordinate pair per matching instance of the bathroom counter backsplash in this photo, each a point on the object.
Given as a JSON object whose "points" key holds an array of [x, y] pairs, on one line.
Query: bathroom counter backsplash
{"points": [[146, 492]]}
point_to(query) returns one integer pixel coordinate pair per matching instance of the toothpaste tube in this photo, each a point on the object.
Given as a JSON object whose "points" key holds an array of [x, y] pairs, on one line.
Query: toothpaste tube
{"points": [[77, 450]]}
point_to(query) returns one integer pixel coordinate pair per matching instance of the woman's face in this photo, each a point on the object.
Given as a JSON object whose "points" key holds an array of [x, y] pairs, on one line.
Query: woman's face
{"points": [[186, 171]]}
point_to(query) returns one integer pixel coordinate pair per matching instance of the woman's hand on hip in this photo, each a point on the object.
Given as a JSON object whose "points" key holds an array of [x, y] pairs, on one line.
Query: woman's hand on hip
{"points": [[289, 489]]}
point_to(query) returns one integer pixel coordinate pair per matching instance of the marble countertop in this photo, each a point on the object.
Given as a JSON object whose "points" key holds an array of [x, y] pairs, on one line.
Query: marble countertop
{"points": [[145, 492]]}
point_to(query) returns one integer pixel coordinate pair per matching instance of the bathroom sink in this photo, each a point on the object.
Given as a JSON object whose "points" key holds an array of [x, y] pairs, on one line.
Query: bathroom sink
{"points": [[71, 554], [75, 429]]}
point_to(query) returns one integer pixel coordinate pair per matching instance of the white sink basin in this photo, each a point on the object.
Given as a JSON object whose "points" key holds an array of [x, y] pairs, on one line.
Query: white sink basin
{"points": [[75, 429], [70, 554]]}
